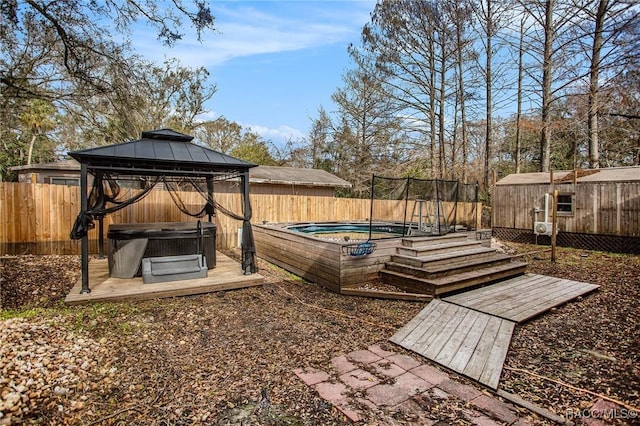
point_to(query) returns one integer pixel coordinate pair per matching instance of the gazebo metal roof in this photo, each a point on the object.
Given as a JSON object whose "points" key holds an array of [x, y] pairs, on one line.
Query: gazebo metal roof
{"points": [[162, 151]]}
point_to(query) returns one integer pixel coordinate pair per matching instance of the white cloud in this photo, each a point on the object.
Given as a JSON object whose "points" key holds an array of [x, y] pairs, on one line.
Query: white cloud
{"points": [[277, 135], [244, 30]]}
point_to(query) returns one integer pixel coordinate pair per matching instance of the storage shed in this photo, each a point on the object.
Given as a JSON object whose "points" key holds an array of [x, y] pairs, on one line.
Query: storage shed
{"points": [[597, 209], [263, 179]]}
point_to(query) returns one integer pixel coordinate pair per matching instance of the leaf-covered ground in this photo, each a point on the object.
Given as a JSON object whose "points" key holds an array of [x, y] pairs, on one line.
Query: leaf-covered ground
{"points": [[592, 343], [227, 358]]}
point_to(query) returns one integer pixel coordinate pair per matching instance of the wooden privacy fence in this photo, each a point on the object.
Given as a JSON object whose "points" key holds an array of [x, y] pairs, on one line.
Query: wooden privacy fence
{"points": [[37, 218]]}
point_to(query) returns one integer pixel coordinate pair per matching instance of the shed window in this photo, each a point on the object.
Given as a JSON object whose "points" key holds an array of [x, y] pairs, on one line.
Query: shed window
{"points": [[565, 204], [65, 181]]}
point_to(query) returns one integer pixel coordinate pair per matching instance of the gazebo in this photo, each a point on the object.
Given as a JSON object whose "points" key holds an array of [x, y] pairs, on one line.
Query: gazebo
{"points": [[159, 156]]}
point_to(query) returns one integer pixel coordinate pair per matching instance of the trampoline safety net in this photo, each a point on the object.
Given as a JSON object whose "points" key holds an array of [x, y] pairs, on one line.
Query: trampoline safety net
{"points": [[424, 206]]}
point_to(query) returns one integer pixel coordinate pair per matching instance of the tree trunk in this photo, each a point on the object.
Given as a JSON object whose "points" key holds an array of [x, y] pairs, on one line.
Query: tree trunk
{"points": [[518, 152], [594, 86], [545, 135], [31, 144], [432, 106], [463, 118], [489, 95], [441, 118]]}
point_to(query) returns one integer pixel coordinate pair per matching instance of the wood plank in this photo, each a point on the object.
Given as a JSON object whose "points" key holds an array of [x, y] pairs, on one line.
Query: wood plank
{"points": [[537, 296], [395, 295], [539, 308], [409, 327], [158, 206], [452, 346], [493, 368], [521, 299], [431, 326], [476, 362], [227, 275], [469, 345], [518, 293], [27, 218], [4, 218], [453, 321], [532, 407], [467, 341], [482, 298], [426, 333], [474, 278], [485, 293]]}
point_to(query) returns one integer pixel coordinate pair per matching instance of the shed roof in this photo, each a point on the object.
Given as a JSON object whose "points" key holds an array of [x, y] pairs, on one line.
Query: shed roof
{"points": [[610, 174], [296, 176], [162, 150], [64, 165], [261, 174]]}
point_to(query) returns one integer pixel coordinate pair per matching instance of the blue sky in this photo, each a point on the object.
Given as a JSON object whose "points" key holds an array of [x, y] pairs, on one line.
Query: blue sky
{"points": [[274, 62]]}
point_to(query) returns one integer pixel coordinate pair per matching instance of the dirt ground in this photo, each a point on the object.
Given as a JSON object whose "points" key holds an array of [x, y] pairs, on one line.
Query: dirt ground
{"points": [[227, 358]]}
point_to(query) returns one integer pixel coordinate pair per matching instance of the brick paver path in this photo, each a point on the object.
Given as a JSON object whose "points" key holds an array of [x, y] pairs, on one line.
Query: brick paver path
{"points": [[389, 384]]}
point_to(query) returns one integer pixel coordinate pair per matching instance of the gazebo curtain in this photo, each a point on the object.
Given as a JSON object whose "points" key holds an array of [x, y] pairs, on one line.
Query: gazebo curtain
{"points": [[104, 199]]}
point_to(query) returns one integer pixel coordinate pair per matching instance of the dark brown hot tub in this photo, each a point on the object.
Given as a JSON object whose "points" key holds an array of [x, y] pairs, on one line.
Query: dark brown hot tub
{"points": [[129, 243]]}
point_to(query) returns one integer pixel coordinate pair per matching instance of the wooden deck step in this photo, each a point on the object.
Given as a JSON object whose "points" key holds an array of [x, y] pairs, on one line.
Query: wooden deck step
{"points": [[454, 267], [425, 240], [453, 282], [444, 258], [407, 282], [420, 251]]}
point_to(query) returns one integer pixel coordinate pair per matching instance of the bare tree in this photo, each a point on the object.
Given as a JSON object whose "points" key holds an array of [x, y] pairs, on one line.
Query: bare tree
{"points": [[460, 13], [366, 109], [403, 38], [491, 19], [609, 33], [519, 95]]}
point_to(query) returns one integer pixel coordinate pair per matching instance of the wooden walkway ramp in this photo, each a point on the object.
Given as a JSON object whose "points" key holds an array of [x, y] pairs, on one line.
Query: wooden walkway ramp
{"points": [[522, 298], [470, 332], [466, 341]]}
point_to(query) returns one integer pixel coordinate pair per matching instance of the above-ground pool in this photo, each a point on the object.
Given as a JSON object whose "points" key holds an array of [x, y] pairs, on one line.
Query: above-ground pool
{"points": [[336, 255], [346, 231]]}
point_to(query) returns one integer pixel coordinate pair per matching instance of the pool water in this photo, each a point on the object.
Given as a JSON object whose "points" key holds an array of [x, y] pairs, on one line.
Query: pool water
{"points": [[350, 231]]}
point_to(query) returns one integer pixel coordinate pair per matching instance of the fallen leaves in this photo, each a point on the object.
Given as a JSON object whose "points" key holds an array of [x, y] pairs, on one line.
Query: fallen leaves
{"points": [[592, 343], [212, 359]]}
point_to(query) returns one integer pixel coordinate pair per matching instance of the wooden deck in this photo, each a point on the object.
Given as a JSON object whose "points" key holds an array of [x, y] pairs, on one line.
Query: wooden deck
{"points": [[466, 341], [522, 298], [227, 275], [470, 332]]}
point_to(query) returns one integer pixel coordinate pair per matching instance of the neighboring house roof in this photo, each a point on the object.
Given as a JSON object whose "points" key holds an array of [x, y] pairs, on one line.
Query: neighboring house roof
{"points": [[296, 176], [64, 165], [158, 151], [260, 174], [611, 174]]}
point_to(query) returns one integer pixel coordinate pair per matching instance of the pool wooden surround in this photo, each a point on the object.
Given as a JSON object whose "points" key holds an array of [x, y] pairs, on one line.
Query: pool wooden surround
{"points": [[326, 261], [321, 260]]}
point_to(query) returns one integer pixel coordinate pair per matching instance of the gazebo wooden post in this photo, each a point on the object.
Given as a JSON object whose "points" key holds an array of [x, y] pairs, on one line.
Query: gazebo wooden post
{"points": [[84, 244]]}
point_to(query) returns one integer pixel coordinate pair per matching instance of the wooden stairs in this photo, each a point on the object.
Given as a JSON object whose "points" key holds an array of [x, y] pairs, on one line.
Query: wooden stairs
{"points": [[439, 265]]}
